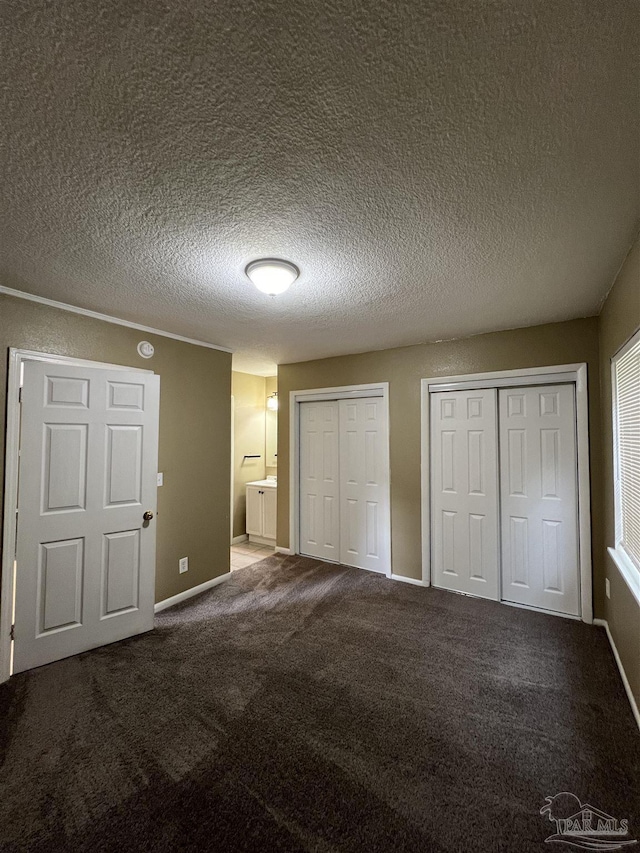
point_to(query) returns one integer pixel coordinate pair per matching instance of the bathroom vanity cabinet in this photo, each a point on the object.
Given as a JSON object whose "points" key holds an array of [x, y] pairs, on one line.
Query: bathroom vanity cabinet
{"points": [[261, 511]]}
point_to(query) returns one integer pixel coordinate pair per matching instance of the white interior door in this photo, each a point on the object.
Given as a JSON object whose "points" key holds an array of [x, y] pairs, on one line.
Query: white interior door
{"points": [[319, 480], [364, 485], [464, 485], [538, 464], [85, 558]]}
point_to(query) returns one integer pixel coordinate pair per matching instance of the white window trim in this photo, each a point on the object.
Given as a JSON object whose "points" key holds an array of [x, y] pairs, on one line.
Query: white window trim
{"points": [[628, 571], [576, 373], [623, 561]]}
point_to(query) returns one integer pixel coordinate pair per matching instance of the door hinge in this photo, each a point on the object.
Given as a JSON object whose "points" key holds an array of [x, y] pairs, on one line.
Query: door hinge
{"points": [[20, 394], [12, 633]]}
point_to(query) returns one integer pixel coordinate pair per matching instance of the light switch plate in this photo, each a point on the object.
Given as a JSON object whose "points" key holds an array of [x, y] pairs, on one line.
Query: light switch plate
{"points": [[160, 479], [184, 564], [607, 587]]}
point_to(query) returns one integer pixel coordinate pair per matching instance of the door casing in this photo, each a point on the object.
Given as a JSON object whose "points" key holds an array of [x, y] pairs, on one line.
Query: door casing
{"points": [[343, 392], [551, 375], [7, 586]]}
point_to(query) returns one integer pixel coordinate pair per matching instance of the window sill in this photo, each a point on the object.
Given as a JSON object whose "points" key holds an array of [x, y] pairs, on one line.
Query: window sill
{"points": [[627, 570]]}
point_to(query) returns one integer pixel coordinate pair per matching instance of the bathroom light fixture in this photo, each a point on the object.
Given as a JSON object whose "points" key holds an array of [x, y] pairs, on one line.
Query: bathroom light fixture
{"points": [[272, 401], [271, 275]]}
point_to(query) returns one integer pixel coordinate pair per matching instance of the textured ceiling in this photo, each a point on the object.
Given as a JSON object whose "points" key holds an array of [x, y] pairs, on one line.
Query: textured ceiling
{"points": [[436, 168]]}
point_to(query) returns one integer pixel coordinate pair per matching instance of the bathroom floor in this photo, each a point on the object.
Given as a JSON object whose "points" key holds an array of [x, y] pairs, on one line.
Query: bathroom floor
{"points": [[247, 553]]}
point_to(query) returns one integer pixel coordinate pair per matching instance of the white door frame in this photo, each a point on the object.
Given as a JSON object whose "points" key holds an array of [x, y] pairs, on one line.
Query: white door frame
{"points": [[576, 373], [233, 471], [343, 392], [17, 357]]}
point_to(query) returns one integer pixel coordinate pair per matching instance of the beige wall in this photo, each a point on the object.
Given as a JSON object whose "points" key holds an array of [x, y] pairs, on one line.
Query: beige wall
{"points": [[248, 439], [271, 385], [619, 319], [195, 390], [558, 343]]}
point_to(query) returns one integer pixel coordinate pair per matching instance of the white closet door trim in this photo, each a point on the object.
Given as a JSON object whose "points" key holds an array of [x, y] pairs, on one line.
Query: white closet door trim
{"points": [[576, 373], [340, 393], [17, 357], [505, 378], [343, 392]]}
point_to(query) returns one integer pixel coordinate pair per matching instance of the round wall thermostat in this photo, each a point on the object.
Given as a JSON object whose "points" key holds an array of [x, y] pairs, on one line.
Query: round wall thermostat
{"points": [[145, 349]]}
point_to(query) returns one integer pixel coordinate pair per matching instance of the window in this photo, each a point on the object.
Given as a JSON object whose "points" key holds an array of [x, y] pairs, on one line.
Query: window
{"points": [[626, 452]]}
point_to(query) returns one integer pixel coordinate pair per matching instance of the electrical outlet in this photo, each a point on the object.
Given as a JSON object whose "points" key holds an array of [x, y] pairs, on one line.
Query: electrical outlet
{"points": [[184, 564], [160, 478], [607, 587]]}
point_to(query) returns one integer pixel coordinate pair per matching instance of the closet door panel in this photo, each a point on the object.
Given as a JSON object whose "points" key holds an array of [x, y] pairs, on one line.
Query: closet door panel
{"points": [[464, 492], [364, 534], [319, 480], [538, 473]]}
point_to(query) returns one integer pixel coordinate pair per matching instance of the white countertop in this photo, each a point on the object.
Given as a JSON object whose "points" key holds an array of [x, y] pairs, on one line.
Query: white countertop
{"points": [[269, 484]]}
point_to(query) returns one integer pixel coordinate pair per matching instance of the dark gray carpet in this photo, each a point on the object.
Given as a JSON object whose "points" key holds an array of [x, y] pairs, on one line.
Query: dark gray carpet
{"points": [[302, 706]]}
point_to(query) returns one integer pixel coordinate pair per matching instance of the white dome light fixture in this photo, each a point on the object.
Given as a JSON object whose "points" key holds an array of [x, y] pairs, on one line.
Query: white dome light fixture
{"points": [[271, 275]]}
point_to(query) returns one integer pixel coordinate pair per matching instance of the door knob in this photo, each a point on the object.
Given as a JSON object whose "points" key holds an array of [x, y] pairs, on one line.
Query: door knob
{"points": [[148, 515]]}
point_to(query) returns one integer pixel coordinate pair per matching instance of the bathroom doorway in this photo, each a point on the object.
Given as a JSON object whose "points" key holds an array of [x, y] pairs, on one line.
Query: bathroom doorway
{"points": [[254, 447]]}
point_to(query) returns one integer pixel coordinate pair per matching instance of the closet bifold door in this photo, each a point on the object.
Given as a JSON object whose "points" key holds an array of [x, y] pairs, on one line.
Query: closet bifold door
{"points": [[538, 473], [363, 485], [319, 480], [464, 486]]}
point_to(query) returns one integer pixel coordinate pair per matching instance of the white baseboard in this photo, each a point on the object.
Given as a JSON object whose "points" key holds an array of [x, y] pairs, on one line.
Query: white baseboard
{"points": [[414, 581], [189, 593], [623, 674], [238, 539], [286, 551], [262, 540]]}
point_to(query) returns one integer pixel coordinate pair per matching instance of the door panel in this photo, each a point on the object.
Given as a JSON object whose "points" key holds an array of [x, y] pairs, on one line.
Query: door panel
{"points": [[125, 395], [124, 465], [269, 512], [88, 461], [64, 473], [121, 572], [464, 488], [64, 391], [60, 582], [540, 562], [363, 484], [319, 480], [254, 511]]}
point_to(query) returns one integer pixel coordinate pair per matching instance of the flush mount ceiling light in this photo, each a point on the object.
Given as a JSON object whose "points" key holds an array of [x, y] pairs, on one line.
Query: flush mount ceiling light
{"points": [[271, 275]]}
